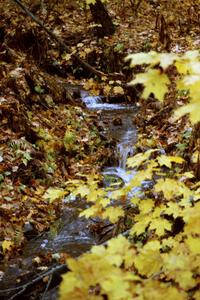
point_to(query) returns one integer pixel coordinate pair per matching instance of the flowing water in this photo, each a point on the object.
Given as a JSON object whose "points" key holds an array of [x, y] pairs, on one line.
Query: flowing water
{"points": [[72, 234], [118, 123]]}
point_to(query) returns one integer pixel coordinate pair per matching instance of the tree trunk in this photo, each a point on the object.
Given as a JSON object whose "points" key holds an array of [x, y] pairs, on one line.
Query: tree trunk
{"points": [[101, 17]]}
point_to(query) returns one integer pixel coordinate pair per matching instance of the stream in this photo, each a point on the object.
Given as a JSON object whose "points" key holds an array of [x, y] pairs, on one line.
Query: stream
{"points": [[72, 234]]}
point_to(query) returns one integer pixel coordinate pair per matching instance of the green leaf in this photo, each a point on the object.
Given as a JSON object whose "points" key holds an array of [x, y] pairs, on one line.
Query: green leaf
{"points": [[181, 146], [38, 89], [119, 48]]}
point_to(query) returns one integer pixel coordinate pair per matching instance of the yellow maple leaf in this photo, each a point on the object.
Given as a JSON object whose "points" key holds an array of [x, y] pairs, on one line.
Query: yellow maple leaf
{"points": [[173, 262], [82, 190], [173, 209], [93, 211], [118, 251], [190, 82], [193, 244], [112, 258], [94, 194], [146, 206], [193, 109], [113, 213], [7, 246], [148, 262], [164, 160], [118, 90], [171, 187], [196, 295], [151, 58], [107, 89], [152, 245], [122, 247], [177, 266], [143, 58], [140, 227], [185, 279], [154, 81], [185, 63], [54, 193], [117, 288], [100, 267], [138, 159], [160, 225], [157, 290], [192, 224], [169, 242], [168, 186]]}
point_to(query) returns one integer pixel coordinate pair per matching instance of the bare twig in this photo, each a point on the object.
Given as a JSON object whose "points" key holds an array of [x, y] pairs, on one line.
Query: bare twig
{"points": [[22, 288], [59, 41], [47, 287]]}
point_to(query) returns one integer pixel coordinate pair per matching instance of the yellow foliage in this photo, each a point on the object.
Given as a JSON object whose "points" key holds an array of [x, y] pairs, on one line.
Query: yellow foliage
{"points": [[113, 214], [157, 291], [196, 295], [154, 252], [173, 209], [7, 246], [152, 58], [148, 262], [155, 82], [100, 267], [82, 190], [164, 160], [119, 251], [140, 226], [138, 159], [160, 225], [193, 244], [173, 188], [186, 63], [192, 108], [54, 193]]}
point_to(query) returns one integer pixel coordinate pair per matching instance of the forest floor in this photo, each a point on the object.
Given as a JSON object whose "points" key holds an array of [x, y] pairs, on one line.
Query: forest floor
{"points": [[47, 137]]}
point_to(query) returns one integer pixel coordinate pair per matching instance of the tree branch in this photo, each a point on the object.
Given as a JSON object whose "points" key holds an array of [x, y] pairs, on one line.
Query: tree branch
{"points": [[59, 40], [19, 290]]}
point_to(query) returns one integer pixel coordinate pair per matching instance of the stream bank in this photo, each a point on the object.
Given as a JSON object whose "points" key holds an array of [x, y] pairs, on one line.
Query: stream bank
{"points": [[73, 235]]}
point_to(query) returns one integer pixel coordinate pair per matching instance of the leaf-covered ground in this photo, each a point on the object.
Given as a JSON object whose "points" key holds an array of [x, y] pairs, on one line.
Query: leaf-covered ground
{"points": [[48, 138]]}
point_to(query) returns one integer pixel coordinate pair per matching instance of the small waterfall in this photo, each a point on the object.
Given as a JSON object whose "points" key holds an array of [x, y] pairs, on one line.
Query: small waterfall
{"points": [[125, 147], [125, 133], [91, 102], [122, 155], [96, 103]]}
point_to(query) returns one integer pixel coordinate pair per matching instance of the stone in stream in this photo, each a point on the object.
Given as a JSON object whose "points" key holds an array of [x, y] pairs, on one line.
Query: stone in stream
{"points": [[117, 121]]}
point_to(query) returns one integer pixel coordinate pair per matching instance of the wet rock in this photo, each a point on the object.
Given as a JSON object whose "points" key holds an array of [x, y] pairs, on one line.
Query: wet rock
{"points": [[117, 121], [29, 230]]}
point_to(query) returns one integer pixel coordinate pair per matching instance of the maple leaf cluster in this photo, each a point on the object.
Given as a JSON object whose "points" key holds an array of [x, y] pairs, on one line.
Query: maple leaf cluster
{"points": [[160, 257]]}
